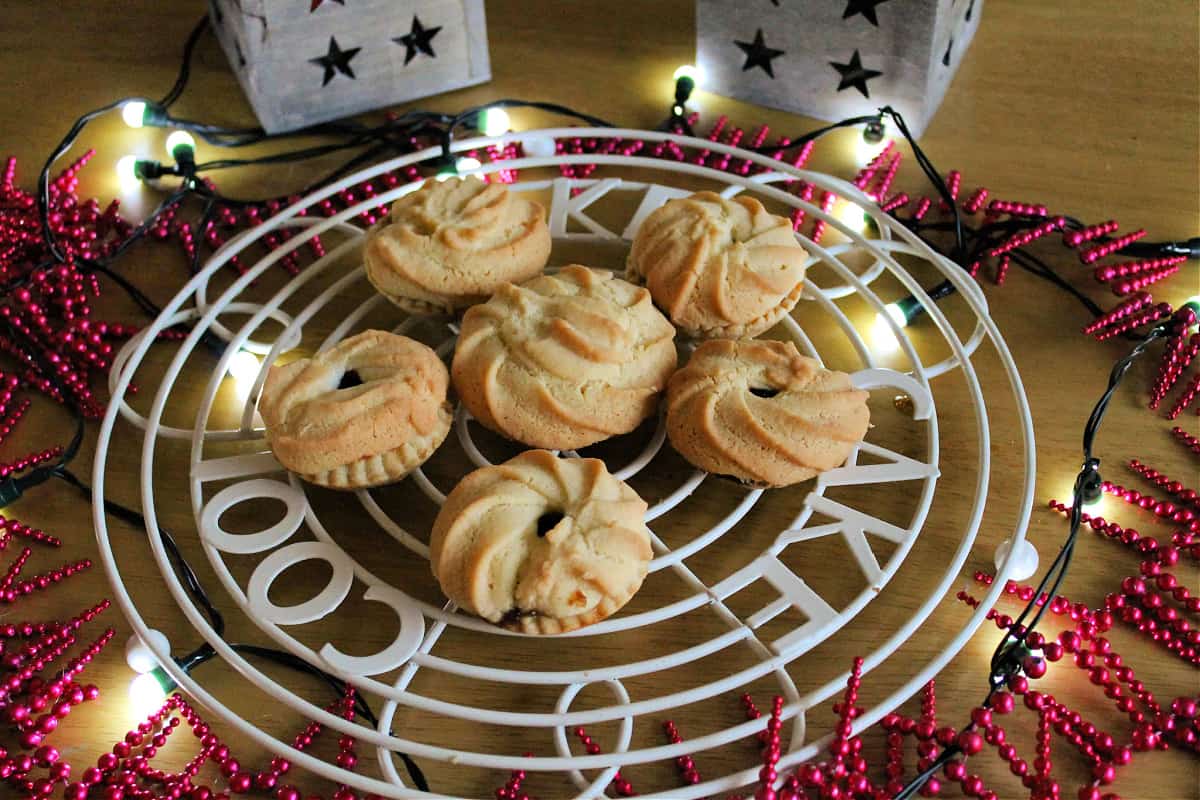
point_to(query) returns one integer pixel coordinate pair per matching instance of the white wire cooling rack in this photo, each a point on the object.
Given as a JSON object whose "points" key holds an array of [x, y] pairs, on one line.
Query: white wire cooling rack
{"points": [[773, 640]]}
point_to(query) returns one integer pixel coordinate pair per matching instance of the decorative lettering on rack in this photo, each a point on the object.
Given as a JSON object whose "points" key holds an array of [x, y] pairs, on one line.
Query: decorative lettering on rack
{"points": [[794, 593], [330, 596], [850, 523], [564, 207]]}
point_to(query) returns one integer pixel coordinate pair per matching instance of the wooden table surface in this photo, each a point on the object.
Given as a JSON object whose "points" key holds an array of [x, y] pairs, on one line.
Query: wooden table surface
{"points": [[1090, 108]]}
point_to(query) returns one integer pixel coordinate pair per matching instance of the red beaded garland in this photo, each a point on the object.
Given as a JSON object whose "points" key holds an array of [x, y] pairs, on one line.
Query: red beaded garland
{"points": [[1177, 357], [975, 202], [1140, 281], [1024, 238], [827, 200], [922, 208], [895, 202], [1016, 208], [1002, 271], [1186, 397], [1134, 269], [1091, 255], [1077, 237], [1174, 488], [1136, 320], [1186, 439]]}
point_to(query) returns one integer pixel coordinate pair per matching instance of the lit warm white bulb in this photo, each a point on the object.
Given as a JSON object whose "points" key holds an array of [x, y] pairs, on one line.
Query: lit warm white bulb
{"points": [[1024, 560], [495, 122], [179, 139], [127, 172], [689, 71], [896, 314], [243, 367], [148, 691], [538, 147], [851, 215], [134, 112], [467, 164], [1193, 301], [138, 655]]}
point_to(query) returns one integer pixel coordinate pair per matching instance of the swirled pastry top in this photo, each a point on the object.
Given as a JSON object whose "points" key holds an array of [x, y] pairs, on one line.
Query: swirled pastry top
{"points": [[761, 412], [540, 543], [564, 360], [720, 267], [449, 244], [373, 406]]}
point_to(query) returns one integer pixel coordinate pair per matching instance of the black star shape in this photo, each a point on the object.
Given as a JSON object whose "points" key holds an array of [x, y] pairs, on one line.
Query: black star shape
{"points": [[336, 60], [854, 75], [419, 38], [864, 7], [317, 4], [758, 54]]}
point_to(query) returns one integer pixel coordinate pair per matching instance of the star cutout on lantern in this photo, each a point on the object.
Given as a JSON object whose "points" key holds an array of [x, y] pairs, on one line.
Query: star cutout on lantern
{"points": [[854, 75], [418, 39], [758, 54], [336, 60], [317, 4], [864, 7]]}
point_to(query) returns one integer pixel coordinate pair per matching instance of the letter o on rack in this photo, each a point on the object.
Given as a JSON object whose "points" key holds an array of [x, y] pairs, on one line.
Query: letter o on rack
{"points": [[244, 543], [273, 566]]}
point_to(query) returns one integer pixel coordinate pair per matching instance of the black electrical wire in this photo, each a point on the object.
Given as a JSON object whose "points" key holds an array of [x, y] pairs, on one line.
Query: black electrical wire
{"points": [[799, 141], [554, 108], [200, 597], [1007, 657], [43, 183], [185, 68]]}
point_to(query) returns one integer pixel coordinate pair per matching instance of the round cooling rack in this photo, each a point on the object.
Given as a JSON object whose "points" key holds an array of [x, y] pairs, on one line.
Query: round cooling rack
{"points": [[768, 593]]}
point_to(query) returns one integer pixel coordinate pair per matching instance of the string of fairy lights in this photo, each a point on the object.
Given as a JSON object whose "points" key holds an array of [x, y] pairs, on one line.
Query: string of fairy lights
{"points": [[399, 133]]}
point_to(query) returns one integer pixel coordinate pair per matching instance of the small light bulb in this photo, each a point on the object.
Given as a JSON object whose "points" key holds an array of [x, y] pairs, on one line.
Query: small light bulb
{"points": [[139, 656], [467, 164], [874, 131], [127, 172], [1194, 303], [896, 314], [690, 71], [1024, 561], [677, 110], [851, 215], [495, 122], [148, 691], [179, 139], [134, 113], [539, 147], [244, 367]]}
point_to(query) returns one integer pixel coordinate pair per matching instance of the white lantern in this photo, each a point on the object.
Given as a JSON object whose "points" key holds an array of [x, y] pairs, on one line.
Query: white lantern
{"points": [[306, 61], [839, 58]]}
